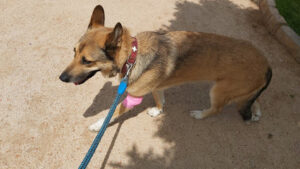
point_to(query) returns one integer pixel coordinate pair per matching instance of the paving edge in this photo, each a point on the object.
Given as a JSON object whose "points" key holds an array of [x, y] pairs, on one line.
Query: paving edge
{"points": [[278, 27]]}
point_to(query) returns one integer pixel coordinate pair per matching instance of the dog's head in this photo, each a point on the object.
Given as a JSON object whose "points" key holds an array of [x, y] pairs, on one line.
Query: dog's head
{"points": [[95, 51]]}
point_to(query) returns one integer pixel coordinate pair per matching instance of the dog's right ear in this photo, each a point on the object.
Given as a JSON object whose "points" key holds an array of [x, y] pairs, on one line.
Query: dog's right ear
{"points": [[97, 18]]}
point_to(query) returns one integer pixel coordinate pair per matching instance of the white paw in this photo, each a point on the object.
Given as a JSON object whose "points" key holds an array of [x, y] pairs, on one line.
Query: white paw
{"points": [[256, 112], [197, 114], [96, 126], [154, 111], [256, 115]]}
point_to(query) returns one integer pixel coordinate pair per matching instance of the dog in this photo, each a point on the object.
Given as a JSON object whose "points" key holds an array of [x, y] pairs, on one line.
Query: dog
{"points": [[239, 71]]}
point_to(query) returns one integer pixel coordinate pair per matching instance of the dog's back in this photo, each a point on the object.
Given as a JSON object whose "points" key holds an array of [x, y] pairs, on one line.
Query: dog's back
{"points": [[191, 56]]}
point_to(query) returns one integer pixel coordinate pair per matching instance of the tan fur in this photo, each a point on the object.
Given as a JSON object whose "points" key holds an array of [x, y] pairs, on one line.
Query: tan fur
{"points": [[236, 67]]}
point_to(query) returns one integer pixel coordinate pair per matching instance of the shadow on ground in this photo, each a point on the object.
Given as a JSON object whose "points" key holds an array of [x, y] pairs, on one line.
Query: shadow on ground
{"points": [[222, 141]]}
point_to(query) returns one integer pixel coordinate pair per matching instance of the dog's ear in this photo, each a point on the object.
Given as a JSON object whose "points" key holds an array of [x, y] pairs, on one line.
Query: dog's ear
{"points": [[97, 18], [114, 38], [113, 41]]}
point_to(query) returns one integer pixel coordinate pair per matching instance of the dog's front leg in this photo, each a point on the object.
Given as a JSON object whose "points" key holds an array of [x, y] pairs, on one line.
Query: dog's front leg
{"points": [[120, 109], [133, 99], [127, 104], [159, 99]]}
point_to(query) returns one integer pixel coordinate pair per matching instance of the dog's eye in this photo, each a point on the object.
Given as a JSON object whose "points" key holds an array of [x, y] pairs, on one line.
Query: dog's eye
{"points": [[84, 61]]}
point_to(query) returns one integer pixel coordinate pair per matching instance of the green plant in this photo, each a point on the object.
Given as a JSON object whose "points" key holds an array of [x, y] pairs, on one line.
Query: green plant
{"points": [[290, 10]]}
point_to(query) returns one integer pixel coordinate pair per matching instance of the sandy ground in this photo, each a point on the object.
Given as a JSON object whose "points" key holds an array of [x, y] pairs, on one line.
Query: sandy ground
{"points": [[43, 122]]}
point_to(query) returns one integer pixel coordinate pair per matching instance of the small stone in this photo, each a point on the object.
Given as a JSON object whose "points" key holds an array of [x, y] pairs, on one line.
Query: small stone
{"points": [[270, 136], [291, 96]]}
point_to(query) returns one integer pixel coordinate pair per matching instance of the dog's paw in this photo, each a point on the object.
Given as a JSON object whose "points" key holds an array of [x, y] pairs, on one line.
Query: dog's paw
{"points": [[256, 116], [96, 126], [197, 114], [256, 112], [154, 111]]}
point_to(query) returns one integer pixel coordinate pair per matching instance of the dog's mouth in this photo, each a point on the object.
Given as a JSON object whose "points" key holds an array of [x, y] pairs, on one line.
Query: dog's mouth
{"points": [[90, 74]]}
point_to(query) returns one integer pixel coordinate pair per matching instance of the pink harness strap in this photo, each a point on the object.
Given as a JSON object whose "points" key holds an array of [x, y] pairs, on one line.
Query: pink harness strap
{"points": [[131, 101]]}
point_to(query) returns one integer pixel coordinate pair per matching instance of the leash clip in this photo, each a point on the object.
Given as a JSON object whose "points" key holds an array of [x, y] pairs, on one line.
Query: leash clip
{"points": [[129, 67]]}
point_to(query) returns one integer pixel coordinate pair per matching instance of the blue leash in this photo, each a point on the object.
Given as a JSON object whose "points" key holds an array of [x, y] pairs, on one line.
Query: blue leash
{"points": [[121, 89]]}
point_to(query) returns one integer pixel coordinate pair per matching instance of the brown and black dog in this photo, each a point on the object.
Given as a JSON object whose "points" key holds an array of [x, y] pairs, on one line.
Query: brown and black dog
{"points": [[239, 71]]}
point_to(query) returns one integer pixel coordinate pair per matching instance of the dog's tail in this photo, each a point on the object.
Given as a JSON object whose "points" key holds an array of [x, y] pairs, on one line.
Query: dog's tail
{"points": [[268, 80], [246, 111]]}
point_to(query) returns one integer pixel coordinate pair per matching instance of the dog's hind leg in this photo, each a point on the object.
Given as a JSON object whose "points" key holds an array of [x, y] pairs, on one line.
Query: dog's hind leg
{"points": [[159, 99], [249, 109], [246, 109], [219, 97]]}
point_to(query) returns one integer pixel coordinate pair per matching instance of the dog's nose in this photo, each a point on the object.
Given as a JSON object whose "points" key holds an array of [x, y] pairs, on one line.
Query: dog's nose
{"points": [[65, 77]]}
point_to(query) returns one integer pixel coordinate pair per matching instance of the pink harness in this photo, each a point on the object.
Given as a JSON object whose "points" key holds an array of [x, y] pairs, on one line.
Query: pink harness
{"points": [[131, 101]]}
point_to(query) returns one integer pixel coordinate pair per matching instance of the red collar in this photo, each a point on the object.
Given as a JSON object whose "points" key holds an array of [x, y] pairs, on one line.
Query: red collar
{"points": [[131, 60]]}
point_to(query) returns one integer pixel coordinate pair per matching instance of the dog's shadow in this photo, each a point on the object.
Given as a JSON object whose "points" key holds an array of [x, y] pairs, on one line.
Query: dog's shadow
{"points": [[102, 100]]}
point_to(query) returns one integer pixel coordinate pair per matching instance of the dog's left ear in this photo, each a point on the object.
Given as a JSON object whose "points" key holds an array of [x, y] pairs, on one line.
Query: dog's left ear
{"points": [[113, 41], [115, 37], [97, 18]]}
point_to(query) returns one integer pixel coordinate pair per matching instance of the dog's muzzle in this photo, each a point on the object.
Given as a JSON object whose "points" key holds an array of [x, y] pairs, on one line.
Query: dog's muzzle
{"points": [[65, 77]]}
